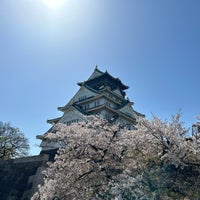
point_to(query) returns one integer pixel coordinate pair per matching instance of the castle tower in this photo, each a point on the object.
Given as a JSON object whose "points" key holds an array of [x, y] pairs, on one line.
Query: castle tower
{"points": [[101, 94]]}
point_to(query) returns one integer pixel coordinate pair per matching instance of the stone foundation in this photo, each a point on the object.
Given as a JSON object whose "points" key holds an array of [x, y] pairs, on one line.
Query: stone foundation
{"points": [[20, 177]]}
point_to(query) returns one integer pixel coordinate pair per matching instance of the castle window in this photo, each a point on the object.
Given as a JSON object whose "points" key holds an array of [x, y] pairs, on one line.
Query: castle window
{"points": [[72, 121], [82, 98], [108, 103], [86, 106], [107, 116], [96, 103]]}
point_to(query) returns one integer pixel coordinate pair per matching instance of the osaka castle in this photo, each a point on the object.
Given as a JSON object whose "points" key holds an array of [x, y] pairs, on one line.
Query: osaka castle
{"points": [[101, 94]]}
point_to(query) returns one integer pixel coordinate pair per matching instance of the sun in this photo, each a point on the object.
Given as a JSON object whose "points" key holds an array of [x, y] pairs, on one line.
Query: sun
{"points": [[53, 3]]}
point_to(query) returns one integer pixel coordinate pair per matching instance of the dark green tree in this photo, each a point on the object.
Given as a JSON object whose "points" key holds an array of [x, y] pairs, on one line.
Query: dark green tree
{"points": [[13, 143]]}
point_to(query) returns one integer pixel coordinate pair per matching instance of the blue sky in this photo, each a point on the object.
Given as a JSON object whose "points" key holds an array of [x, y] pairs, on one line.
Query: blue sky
{"points": [[152, 46]]}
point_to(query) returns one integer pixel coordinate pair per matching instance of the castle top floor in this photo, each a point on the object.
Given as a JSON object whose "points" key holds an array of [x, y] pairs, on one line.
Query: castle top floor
{"points": [[99, 80]]}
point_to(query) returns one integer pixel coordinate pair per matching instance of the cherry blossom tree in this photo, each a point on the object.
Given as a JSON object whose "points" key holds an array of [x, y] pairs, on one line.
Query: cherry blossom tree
{"points": [[170, 158], [97, 160]]}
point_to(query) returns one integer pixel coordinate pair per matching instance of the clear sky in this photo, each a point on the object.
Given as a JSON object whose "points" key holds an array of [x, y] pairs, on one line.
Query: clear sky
{"points": [[153, 46]]}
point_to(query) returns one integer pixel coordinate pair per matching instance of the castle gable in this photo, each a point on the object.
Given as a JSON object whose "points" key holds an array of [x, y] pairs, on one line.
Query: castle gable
{"points": [[128, 110], [72, 115], [83, 94], [95, 74], [117, 91]]}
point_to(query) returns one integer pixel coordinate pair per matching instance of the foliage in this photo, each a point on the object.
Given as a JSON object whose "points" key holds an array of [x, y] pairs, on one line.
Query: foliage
{"points": [[12, 142], [101, 161]]}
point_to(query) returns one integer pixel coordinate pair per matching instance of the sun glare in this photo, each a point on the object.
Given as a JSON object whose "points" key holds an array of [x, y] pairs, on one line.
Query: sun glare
{"points": [[53, 3]]}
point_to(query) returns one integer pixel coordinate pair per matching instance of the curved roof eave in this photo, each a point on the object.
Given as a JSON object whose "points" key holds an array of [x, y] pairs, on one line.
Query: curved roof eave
{"points": [[118, 80], [53, 121], [123, 86]]}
